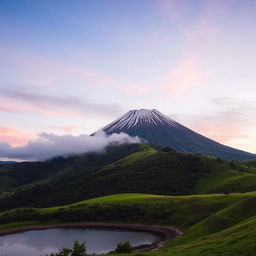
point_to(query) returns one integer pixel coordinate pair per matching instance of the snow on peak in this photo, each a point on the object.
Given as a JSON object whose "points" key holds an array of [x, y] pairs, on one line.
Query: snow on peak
{"points": [[141, 117]]}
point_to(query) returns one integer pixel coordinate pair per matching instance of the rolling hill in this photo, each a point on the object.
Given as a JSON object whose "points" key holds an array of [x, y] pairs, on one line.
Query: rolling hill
{"points": [[211, 199], [212, 224], [130, 168]]}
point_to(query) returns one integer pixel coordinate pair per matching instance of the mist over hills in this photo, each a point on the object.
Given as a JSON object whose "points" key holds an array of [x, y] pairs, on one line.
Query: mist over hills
{"points": [[126, 168], [158, 129], [136, 126], [131, 167]]}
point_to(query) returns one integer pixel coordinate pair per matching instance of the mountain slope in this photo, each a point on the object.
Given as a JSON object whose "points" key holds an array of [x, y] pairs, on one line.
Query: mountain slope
{"points": [[160, 130], [19, 175], [134, 168], [212, 224]]}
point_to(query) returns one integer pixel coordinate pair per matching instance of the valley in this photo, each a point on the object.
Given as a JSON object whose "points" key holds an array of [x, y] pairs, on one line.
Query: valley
{"points": [[132, 168], [211, 200], [127, 127], [210, 223]]}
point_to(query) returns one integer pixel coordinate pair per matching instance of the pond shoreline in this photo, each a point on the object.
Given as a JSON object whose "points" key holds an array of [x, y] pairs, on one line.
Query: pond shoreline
{"points": [[164, 232]]}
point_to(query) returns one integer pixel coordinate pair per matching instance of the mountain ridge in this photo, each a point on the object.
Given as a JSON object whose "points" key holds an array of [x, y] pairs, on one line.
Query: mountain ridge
{"points": [[160, 130]]}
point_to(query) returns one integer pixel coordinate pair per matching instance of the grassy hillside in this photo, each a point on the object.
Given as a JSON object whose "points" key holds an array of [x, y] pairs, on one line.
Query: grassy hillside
{"points": [[140, 184], [18, 175], [225, 176], [213, 224], [124, 169], [250, 163], [237, 240]]}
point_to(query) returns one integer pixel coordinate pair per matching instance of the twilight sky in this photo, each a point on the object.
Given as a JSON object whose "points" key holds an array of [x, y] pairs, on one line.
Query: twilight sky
{"points": [[71, 67]]}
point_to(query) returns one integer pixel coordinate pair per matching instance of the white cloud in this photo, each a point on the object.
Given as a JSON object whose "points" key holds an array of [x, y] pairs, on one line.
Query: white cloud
{"points": [[49, 145]]}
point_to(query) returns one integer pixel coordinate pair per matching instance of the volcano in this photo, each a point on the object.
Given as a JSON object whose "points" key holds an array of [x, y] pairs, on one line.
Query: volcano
{"points": [[160, 130]]}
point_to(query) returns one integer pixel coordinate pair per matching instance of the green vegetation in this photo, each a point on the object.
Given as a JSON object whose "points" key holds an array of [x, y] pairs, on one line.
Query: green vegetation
{"points": [[251, 163], [212, 223], [182, 211], [124, 247], [19, 175], [211, 199], [122, 169], [226, 176], [79, 249]]}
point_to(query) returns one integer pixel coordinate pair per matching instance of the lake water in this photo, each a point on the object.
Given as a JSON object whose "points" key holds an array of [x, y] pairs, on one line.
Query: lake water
{"points": [[41, 242]]}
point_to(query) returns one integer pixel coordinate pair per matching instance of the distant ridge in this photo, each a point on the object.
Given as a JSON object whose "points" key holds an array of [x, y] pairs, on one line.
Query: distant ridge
{"points": [[7, 162], [158, 129]]}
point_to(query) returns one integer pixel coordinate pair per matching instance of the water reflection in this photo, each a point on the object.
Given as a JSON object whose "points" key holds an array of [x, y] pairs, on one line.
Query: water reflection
{"points": [[41, 242]]}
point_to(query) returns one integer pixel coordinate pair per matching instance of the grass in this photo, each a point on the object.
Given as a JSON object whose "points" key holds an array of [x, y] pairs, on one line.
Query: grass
{"points": [[5, 183], [214, 224], [184, 203], [18, 224], [221, 177], [140, 169], [132, 158], [238, 240]]}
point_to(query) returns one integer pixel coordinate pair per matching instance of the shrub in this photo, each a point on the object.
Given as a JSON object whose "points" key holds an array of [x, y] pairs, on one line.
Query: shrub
{"points": [[219, 160], [233, 164], [124, 247], [79, 249], [167, 149]]}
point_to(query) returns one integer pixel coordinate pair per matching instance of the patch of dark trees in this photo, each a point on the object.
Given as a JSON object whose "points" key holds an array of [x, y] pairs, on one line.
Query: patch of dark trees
{"points": [[96, 213], [166, 173]]}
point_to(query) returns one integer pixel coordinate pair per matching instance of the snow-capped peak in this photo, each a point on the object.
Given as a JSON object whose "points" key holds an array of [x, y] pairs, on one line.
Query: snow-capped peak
{"points": [[141, 117]]}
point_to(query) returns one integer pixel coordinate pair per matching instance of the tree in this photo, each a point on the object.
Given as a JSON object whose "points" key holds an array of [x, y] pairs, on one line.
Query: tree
{"points": [[79, 249], [226, 192], [124, 247], [168, 149], [233, 164]]}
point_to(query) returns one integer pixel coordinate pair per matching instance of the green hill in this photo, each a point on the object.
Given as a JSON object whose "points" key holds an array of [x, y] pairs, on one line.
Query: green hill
{"points": [[134, 168], [212, 224], [212, 200]]}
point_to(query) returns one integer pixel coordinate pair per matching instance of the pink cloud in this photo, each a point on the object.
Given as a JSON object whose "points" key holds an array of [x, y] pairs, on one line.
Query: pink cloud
{"points": [[187, 74], [50, 72], [207, 22], [20, 100], [228, 121], [70, 128], [9, 105], [136, 89], [201, 31], [232, 134], [15, 137], [219, 131], [14, 140], [207, 26]]}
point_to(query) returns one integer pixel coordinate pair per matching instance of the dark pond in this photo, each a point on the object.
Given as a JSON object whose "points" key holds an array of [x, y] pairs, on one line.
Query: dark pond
{"points": [[41, 242]]}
